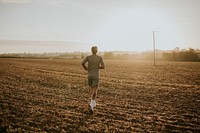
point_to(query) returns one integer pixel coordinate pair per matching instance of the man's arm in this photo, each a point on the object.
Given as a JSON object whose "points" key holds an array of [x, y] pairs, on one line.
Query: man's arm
{"points": [[102, 66], [83, 63]]}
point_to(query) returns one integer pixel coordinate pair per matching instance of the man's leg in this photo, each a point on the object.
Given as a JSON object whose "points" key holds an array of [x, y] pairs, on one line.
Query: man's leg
{"points": [[93, 96], [94, 93], [90, 93], [90, 87], [95, 84], [94, 89]]}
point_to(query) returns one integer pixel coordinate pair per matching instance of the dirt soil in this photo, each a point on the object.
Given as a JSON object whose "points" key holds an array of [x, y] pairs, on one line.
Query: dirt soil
{"points": [[51, 95]]}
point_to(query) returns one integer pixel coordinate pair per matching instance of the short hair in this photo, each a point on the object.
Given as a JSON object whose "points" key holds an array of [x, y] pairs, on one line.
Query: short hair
{"points": [[94, 49]]}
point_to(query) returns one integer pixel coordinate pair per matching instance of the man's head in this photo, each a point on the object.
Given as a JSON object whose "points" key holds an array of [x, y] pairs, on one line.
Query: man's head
{"points": [[94, 50]]}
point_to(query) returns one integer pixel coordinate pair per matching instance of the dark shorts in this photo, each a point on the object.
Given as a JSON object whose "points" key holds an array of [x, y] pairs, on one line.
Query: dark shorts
{"points": [[93, 82]]}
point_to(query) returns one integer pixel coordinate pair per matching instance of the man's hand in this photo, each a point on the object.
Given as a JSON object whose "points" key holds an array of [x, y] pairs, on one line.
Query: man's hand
{"points": [[101, 67]]}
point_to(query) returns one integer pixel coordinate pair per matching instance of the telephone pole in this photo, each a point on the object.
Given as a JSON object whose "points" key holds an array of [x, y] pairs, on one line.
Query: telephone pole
{"points": [[154, 49]]}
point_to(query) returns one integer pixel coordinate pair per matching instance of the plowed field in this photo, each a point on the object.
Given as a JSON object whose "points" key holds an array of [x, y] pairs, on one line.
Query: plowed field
{"points": [[51, 95]]}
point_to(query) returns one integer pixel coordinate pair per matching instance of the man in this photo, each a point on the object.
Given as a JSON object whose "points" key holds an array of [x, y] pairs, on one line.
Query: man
{"points": [[95, 63]]}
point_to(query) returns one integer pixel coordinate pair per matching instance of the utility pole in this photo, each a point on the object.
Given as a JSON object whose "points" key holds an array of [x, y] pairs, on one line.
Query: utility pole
{"points": [[154, 50]]}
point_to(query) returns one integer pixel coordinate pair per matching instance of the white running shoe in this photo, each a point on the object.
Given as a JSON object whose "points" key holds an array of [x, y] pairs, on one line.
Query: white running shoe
{"points": [[91, 107], [94, 103]]}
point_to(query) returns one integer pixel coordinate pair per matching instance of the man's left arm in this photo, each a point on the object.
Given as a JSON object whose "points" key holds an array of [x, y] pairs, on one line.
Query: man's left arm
{"points": [[83, 63]]}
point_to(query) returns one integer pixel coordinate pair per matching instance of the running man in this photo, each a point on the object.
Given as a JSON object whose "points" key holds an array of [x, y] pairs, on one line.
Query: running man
{"points": [[95, 63]]}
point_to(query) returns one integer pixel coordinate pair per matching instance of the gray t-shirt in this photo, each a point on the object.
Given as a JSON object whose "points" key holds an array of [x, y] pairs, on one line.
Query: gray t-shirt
{"points": [[94, 61]]}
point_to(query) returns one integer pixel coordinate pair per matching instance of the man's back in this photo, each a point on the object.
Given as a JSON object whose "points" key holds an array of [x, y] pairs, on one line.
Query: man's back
{"points": [[94, 62]]}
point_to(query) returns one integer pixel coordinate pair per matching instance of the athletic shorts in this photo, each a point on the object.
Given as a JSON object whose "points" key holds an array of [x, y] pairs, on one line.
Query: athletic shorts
{"points": [[93, 82]]}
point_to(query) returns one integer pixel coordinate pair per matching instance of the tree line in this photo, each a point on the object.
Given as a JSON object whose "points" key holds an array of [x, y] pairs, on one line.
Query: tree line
{"points": [[188, 55], [175, 55]]}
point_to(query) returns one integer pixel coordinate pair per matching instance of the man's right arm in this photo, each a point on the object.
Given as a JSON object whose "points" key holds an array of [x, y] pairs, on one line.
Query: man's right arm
{"points": [[102, 65]]}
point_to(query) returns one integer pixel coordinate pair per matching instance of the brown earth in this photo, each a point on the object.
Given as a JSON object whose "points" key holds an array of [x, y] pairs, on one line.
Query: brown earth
{"points": [[41, 95]]}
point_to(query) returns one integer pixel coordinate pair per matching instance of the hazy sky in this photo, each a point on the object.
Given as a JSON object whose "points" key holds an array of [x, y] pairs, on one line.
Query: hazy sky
{"points": [[109, 24]]}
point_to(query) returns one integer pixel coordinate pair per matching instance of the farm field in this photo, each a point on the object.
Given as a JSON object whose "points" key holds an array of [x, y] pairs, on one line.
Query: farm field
{"points": [[51, 95]]}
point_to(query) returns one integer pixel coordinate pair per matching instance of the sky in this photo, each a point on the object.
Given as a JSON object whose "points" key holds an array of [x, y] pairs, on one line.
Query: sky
{"points": [[112, 25]]}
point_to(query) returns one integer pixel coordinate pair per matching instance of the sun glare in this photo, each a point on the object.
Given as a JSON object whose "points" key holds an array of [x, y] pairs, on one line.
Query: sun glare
{"points": [[132, 30]]}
